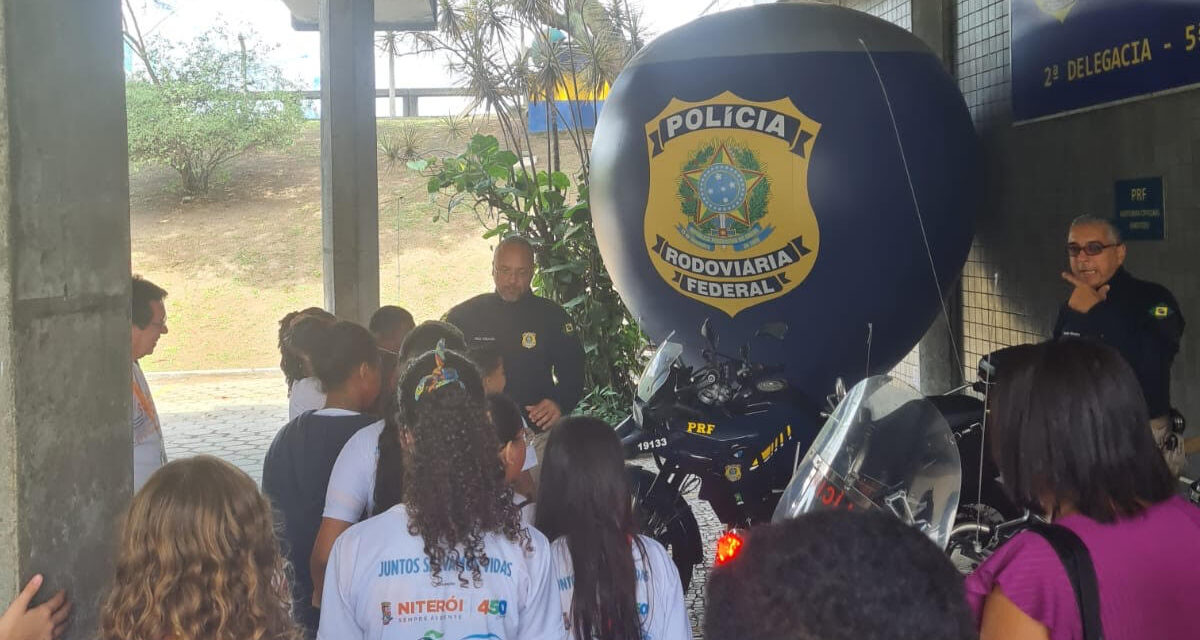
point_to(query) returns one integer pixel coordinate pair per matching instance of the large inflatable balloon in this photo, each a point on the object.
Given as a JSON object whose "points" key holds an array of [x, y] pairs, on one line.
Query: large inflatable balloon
{"points": [[803, 163]]}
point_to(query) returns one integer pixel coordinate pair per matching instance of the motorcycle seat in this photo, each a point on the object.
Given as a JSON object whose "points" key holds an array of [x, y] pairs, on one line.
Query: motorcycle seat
{"points": [[959, 410]]}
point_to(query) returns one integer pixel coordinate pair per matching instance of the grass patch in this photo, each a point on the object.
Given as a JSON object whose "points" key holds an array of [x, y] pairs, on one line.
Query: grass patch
{"points": [[238, 259]]}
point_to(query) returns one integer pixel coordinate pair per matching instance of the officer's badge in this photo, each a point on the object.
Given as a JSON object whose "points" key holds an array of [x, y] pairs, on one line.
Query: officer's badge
{"points": [[529, 339], [1057, 8], [1161, 311], [733, 472], [728, 219]]}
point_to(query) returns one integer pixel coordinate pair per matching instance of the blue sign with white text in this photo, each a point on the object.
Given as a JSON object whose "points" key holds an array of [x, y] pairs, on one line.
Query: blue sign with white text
{"points": [[1073, 54], [1140, 211]]}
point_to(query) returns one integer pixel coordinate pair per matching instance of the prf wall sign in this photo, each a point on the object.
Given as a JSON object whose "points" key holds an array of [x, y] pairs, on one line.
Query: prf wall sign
{"points": [[1141, 209], [728, 218], [1069, 55]]}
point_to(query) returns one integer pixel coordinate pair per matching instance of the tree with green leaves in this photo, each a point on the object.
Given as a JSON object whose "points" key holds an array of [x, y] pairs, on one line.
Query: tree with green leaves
{"points": [[506, 53], [196, 106]]}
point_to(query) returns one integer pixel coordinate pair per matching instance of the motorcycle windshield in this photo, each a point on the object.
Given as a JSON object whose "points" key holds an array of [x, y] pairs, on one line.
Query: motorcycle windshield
{"points": [[656, 371], [885, 447]]}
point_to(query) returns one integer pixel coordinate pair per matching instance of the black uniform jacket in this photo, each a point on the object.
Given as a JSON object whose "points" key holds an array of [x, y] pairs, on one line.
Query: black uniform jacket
{"points": [[537, 341], [1141, 320]]}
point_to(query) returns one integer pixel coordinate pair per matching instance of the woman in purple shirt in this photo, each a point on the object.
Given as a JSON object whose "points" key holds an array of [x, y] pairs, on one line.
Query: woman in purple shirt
{"points": [[1070, 435]]}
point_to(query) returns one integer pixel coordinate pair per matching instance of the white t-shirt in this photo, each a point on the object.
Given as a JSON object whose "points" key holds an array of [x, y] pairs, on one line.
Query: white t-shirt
{"points": [[528, 509], [351, 490], [659, 591], [531, 459], [378, 585], [306, 395], [149, 452]]}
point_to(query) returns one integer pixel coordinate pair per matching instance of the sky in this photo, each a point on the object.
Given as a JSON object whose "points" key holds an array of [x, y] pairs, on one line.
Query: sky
{"points": [[299, 52]]}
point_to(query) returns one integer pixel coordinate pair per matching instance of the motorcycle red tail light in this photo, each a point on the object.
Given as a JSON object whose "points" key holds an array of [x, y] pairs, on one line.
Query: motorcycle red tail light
{"points": [[729, 545]]}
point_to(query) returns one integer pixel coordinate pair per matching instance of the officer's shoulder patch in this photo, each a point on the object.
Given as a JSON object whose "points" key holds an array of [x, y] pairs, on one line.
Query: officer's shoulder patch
{"points": [[568, 328], [1161, 310]]}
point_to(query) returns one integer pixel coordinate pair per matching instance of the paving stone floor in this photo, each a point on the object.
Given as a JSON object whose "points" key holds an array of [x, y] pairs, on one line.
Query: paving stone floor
{"points": [[234, 416]]}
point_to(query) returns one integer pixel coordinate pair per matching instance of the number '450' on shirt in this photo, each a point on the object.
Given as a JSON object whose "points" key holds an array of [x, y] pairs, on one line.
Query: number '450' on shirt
{"points": [[379, 585]]}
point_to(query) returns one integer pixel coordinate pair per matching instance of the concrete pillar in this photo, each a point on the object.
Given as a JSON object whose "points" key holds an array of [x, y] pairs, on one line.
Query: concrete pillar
{"points": [[65, 450], [933, 22], [349, 172], [941, 348]]}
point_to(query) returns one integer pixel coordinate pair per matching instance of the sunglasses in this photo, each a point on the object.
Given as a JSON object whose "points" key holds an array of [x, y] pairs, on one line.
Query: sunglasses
{"points": [[1091, 248]]}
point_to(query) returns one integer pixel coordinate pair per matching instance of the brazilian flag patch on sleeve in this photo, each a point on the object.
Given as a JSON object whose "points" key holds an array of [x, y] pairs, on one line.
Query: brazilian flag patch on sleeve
{"points": [[1160, 311]]}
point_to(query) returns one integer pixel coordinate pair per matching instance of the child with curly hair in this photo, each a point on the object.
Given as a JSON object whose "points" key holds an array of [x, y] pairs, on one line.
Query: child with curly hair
{"points": [[453, 559], [197, 559], [368, 475]]}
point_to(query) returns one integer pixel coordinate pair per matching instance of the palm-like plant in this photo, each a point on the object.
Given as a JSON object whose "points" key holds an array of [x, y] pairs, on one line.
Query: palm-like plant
{"points": [[503, 51], [390, 43]]}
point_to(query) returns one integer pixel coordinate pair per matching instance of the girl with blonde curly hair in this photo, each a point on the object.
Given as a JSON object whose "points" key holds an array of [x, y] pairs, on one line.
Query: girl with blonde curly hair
{"points": [[198, 560]]}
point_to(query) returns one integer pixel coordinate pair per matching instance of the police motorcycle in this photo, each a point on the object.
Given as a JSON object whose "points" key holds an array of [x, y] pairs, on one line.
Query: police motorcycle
{"points": [[705, 426], [986, 517], [885, 447], [888, 448]]}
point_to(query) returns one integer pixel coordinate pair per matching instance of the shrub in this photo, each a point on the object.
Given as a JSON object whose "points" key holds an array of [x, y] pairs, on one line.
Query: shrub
{"points": [[205, 103]]}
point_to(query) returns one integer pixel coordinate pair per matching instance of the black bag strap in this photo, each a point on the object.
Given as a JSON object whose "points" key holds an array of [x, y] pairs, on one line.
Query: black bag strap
{"points": [[1080, 571]]}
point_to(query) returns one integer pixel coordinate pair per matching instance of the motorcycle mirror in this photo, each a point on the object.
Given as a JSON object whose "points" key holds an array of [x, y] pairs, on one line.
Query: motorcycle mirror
{"points": [[708, 333], [777, 330]]}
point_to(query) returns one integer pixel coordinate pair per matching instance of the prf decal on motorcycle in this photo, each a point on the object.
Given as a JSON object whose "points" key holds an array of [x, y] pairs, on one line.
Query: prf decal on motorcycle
{"points": [[701, 428], [728, 218], [776, 444]]}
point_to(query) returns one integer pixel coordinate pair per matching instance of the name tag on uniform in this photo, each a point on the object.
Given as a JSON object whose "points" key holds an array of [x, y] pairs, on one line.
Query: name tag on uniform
{"points": [[529, 339]]}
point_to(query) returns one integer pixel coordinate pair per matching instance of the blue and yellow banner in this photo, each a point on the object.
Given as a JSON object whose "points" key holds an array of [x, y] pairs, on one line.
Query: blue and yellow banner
{"points": [[1075, 54], [574, 104]]}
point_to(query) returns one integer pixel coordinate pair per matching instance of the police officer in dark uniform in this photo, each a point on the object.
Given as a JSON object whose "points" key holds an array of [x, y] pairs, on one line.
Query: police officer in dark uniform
{"points": [[543, 359], [1138, 318]]}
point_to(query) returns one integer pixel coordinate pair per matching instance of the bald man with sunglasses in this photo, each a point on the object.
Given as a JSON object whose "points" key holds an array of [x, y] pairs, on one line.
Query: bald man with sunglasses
{"points": [[1140, 319]]}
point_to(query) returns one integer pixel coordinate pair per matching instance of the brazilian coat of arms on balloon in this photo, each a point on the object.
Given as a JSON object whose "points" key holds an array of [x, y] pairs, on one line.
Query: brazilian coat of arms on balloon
{"points": [[728, 218]]}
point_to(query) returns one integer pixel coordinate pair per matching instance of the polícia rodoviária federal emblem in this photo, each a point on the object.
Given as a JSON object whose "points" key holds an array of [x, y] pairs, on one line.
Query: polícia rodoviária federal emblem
{"points": [[728, 219]]}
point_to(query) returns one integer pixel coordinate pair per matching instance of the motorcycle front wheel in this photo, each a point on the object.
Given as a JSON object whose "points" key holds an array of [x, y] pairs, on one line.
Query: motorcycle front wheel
{"points": [[665, 516]]}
